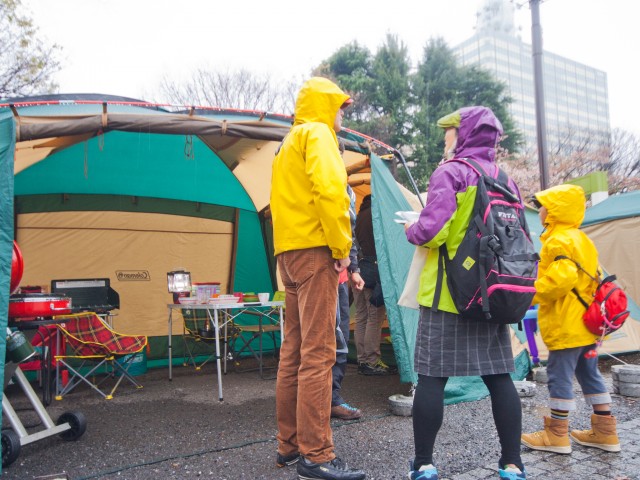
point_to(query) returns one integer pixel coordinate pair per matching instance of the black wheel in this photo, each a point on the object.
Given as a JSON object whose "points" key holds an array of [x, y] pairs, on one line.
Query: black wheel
{"points": [[10, 447], [78, 423], [48, 380]]}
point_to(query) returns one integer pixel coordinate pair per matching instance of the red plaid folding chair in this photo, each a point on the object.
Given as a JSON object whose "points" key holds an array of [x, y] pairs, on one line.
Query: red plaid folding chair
{"points": [[94, 349]]}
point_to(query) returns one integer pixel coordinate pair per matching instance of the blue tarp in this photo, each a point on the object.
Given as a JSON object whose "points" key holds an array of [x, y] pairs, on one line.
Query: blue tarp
{"points": [[623, 205]]}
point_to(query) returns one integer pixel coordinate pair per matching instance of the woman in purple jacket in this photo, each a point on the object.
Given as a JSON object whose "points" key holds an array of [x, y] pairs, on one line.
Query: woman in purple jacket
{"points": [[446, 344]]}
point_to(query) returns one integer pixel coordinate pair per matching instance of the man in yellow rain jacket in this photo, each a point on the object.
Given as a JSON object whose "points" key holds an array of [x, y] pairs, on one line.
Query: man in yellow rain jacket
{"points": [[312, 239], [563, 331]]}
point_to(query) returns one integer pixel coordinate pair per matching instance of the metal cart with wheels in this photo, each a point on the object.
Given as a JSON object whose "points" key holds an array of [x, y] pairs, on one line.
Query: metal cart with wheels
{"points": [[70, 425]]}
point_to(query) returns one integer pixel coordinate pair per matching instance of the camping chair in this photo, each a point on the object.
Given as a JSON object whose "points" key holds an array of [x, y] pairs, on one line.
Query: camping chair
{"points": [[90, 341], [199, 339], [279, 296], [268, 324]]}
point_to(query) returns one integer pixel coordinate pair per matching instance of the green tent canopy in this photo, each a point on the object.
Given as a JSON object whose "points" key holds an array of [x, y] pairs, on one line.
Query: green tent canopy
{"points": [[97, 186], [107, 185]]}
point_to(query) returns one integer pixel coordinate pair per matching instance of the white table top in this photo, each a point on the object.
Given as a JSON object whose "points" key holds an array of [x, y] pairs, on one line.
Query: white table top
{"points": [[223, 306]]}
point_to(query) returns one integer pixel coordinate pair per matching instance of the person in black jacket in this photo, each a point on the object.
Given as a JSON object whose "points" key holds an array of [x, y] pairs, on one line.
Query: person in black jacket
{"points": [[339, 407], [370, 309]]}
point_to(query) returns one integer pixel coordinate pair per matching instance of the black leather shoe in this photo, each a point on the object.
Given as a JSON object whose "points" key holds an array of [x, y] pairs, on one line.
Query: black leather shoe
{"points": [[286, 460], [345, 411], [336, 469]]}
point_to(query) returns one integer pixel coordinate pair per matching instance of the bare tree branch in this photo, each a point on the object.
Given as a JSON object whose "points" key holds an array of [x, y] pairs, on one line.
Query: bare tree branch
{"points": [[239, 89], [578, 154], [26, 63]]}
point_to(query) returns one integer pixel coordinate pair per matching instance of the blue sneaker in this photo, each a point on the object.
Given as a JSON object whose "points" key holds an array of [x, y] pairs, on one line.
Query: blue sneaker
{"points": [[425, 472], [512, 473]]}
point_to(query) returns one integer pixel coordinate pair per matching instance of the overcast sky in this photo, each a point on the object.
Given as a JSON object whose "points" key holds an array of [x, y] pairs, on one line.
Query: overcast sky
{"points": [[124, 47]]}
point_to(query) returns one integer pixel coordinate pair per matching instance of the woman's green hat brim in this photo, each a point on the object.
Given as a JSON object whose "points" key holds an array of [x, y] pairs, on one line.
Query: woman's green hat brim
{"points": [[450, 121]]}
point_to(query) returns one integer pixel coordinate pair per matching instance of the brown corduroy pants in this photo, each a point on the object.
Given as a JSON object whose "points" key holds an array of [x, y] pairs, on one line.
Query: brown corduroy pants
{"points": [[303, 386]]}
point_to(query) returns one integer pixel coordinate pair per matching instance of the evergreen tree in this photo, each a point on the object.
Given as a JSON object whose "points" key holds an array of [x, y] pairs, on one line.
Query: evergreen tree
{"points": [[351, 68], [400, 108], [440, 87], [380, 87]]}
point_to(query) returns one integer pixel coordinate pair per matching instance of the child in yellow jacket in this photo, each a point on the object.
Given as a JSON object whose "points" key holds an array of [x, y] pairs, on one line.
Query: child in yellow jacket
{"points": [[560, 312]]}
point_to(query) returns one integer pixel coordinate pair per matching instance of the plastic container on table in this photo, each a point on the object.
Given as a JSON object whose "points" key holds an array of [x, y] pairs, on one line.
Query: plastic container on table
{"points": [[205, 290]]}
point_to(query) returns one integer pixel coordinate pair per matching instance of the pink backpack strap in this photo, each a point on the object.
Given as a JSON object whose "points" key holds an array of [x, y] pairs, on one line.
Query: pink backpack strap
{"points": [[470, 165]]}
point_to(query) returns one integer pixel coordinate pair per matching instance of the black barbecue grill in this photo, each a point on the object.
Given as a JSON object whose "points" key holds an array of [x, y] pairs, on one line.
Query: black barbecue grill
{"points": [[88, 294]]}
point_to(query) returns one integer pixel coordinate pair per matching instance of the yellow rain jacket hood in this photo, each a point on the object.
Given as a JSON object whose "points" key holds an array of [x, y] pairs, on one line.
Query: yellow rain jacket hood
{"points": [[560, 312], [309, 201]]}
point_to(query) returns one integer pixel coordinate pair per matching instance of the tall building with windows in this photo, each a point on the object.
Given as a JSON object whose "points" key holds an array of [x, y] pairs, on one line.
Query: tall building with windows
{"points": [[576, 95]]}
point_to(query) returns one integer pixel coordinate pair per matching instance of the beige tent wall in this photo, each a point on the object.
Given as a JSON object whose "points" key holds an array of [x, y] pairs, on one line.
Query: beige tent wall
{"points": [[619, 251], [517, 347], [68, 245], [627, 339]]}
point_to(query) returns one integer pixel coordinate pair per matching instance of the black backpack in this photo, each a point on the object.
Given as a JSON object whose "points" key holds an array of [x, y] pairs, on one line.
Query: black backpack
{"points": [[491, 276]]}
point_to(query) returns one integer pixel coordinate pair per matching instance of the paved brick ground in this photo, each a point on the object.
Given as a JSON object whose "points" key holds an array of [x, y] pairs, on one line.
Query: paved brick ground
{"points": [[179, 431], [583, 463]]}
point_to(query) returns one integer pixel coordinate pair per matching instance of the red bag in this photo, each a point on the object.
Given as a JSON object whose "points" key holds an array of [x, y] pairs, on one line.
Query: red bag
{"points": [[608, 311]]}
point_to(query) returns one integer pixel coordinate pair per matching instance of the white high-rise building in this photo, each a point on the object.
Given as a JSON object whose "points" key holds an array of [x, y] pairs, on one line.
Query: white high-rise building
{"points": [[576, 95]]}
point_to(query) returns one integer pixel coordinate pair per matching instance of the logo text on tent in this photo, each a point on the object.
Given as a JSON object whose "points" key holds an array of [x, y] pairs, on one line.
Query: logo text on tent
{"points": [[133, 275]]}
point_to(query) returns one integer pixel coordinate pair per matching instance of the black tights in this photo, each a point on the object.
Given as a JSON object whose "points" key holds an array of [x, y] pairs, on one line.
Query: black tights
{"points": [[428, 411]]}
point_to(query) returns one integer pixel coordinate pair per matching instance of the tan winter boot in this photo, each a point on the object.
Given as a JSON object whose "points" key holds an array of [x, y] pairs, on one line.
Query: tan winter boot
{"points": [[603, 434], [554, 438]]}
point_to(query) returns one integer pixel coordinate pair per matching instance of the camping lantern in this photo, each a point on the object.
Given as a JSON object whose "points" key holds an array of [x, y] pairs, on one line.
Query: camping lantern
{"points": [[178, 282]]}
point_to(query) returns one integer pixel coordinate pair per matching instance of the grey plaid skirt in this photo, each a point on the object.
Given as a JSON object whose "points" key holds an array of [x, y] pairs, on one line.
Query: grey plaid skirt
{"points": [[450, 346]]}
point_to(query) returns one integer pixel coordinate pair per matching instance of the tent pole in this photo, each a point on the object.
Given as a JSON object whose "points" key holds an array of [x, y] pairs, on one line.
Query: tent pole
{"points": [[413, 183], [234, 253], [265, 216]]}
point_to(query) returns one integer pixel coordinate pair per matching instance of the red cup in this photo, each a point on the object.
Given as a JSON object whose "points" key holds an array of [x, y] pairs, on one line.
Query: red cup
{"points": [[240, 296]]}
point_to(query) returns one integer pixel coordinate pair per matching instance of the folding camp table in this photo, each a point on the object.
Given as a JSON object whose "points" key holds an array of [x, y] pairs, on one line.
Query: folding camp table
{"points": [[220, 316]]}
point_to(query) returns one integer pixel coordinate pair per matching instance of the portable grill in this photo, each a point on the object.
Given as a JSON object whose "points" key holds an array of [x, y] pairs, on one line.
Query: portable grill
{"points": [[88, 294]]}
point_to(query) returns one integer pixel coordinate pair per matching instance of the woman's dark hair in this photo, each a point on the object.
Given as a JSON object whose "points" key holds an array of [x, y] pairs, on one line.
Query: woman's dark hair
{"points": [[366, 202]]}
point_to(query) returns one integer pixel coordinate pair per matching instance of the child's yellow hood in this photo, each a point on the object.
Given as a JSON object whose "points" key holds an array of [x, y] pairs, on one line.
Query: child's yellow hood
{"points": [[565, 204]]}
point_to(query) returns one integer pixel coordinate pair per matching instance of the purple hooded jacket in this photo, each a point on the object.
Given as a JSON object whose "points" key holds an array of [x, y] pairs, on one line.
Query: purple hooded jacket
{"points": [[451, 196]]}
